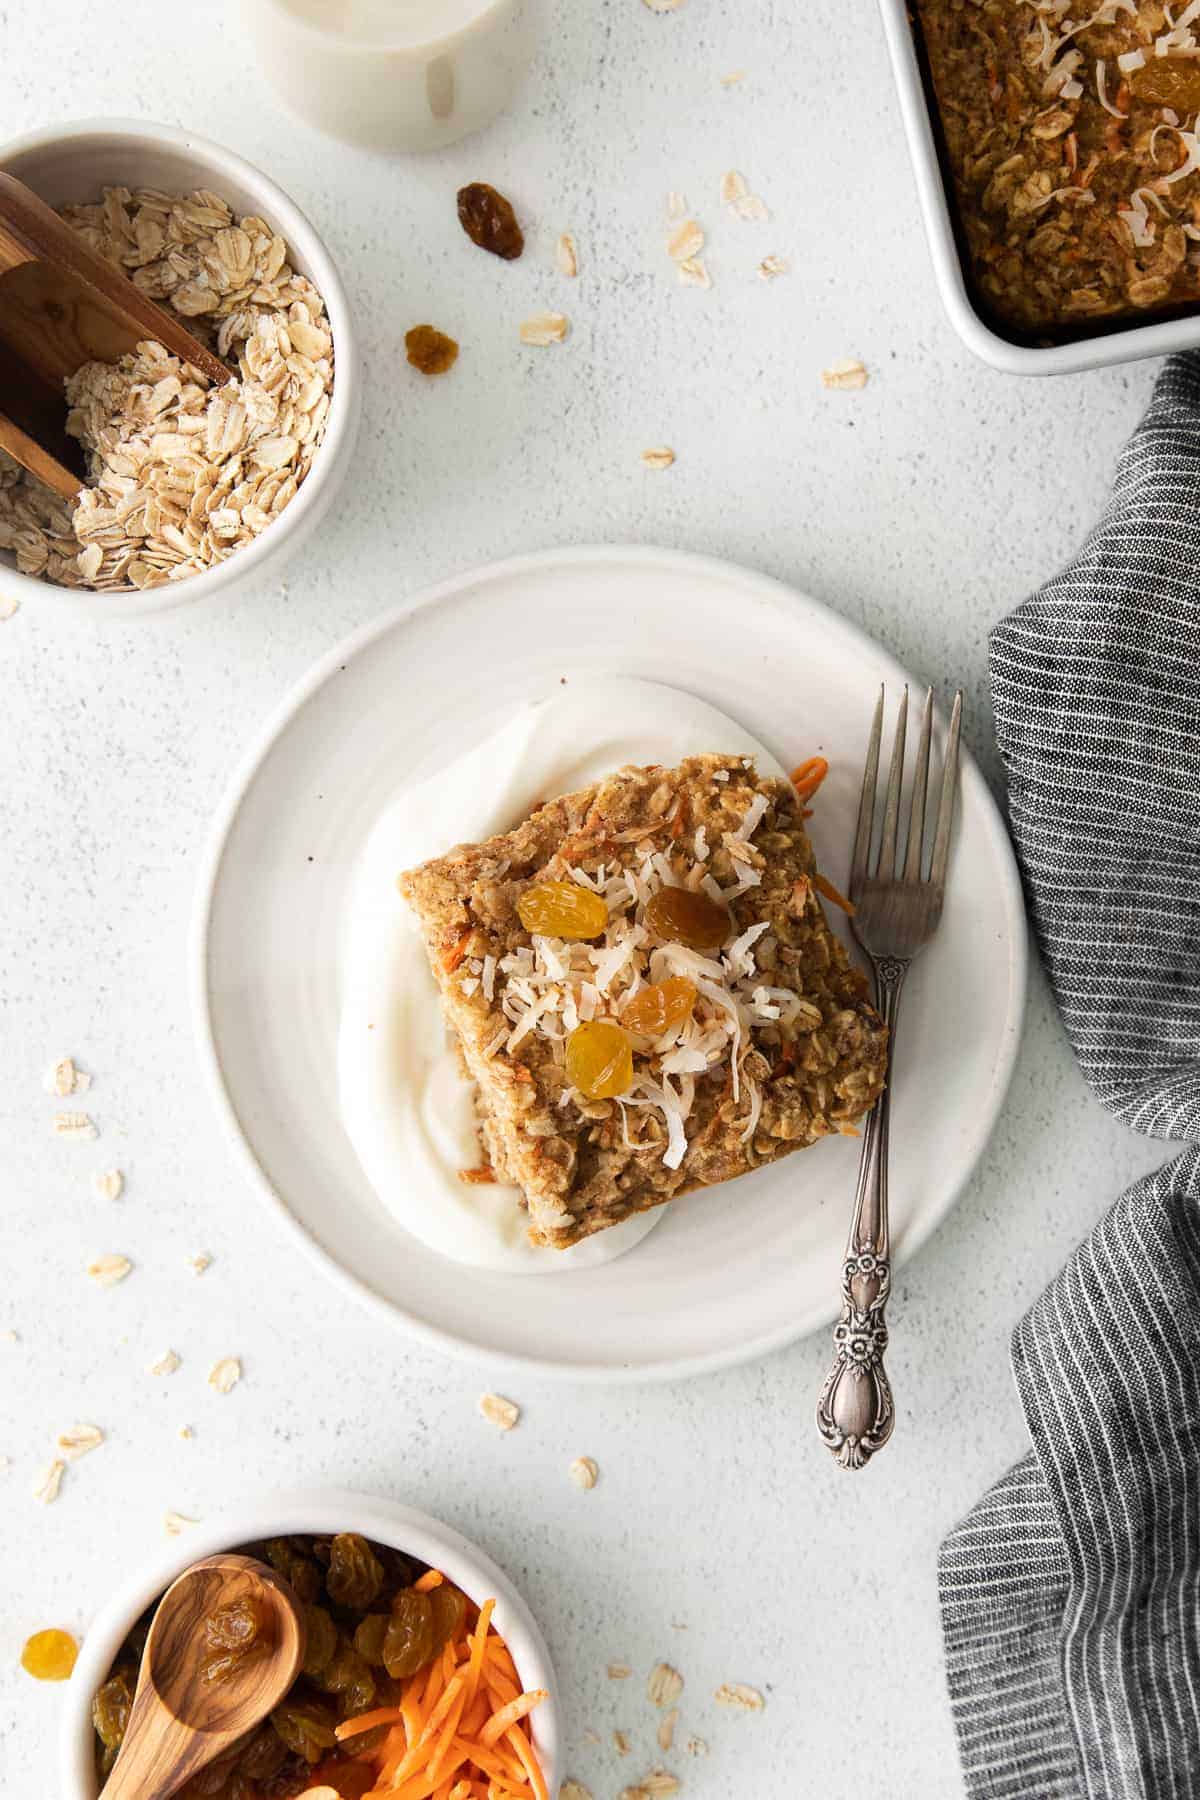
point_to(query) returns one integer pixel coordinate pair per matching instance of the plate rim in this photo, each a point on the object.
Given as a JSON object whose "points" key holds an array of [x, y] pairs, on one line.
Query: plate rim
{"points": [[435, 1337]]}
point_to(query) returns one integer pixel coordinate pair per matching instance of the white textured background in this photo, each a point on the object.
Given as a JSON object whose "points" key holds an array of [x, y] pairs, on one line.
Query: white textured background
{"points": [[922, 508]]}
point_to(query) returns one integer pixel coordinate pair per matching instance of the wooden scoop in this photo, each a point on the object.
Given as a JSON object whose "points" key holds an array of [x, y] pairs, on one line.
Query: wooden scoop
{"points": [[180, 1721], [61, 305]]}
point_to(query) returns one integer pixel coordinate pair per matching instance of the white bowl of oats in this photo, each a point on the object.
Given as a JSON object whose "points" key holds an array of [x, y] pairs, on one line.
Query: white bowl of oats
{"points": [[192, 492]]}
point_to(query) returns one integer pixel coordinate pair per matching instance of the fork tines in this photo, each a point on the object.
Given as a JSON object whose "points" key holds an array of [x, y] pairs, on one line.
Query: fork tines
{"points": [[885, 869]]}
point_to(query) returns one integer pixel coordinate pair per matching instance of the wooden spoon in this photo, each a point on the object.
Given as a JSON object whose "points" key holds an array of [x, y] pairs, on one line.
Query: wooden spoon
{"points": [[61, 305], [179, 1721]]}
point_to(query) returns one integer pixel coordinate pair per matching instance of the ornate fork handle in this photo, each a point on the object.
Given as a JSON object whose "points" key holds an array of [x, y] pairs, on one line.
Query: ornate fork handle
{"points": [[855, 1413]]}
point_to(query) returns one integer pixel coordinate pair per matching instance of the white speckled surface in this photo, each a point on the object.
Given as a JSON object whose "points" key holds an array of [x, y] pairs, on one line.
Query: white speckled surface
{"points": [[921, 507]]}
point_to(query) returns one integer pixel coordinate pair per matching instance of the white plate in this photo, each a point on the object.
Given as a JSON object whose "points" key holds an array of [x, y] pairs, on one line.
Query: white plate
{"points": [[731, 1273]]}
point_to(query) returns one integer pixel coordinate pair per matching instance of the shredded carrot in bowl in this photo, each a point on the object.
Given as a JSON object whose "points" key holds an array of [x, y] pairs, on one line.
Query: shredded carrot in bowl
{"points": [[461, 1727], [809, 776]]}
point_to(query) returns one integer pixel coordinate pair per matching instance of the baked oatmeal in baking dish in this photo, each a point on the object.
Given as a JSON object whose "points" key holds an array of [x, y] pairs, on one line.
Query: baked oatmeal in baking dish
{"points": [[1070, 129], [645, 991]]}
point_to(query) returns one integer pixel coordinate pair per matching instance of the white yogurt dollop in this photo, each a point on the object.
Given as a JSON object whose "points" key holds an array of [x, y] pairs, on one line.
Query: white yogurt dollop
{"points": [[407, 1110]]}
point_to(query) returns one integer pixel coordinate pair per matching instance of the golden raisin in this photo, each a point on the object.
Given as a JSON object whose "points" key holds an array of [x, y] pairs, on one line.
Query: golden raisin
{"points": [[49, 1655], [448, 1609], [599, 1059], [430, 350], [683, 917], [1168, 81], [489, 220], [408, 1645], [563, 909], [355, 1574], [662, 1007]]}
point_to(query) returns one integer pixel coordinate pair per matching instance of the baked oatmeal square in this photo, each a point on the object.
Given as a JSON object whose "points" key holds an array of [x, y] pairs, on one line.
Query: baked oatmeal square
{"points": [[645, 991]]}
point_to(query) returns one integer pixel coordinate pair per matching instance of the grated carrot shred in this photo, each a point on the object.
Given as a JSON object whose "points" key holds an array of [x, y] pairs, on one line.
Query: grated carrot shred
{"points": [[431, 1579], [459, 1730], [809, 776], [831, 893]]}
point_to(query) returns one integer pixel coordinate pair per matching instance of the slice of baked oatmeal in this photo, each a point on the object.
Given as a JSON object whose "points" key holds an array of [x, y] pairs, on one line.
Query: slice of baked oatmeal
{"points": [[646, 992]]}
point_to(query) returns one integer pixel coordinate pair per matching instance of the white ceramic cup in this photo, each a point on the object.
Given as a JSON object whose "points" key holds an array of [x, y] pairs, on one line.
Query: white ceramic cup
{"points": [[319, 1511], [72, 163], [392, 74]]}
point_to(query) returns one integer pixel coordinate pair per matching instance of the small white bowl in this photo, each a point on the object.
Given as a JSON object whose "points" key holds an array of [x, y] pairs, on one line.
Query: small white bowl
{"points": [[71, 164], [319, 1511]]}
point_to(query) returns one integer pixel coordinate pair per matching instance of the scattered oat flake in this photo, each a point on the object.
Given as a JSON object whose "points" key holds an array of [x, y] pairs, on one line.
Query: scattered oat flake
{"points": [[733, 187], [566, 256], [676, 205], [75, 1125], [63, 1078], [166, 1364], [10, 1336], [584, 1472], [185, 1431], [664, 6], [544, 328], [46, 1486], [176, 1522], [733, 77], [847, 372], [108, 1270], [753, 208], [693, 273], [109, 1184], [619, 1671], [655, 1786], [696, 1746], [591, 1737], [621, 1740], [771, 266], [666, 1729], [225, 1375], [198, 1264], [736, 1694], [8, 607], [686, 241], [498, 1411], [79, 1440], [574, 1790], [660, 458], [664, 1685]]}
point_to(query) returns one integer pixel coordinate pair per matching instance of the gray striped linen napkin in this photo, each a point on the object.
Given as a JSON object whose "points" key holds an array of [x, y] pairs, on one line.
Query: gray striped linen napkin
{"points": [[1071, 1593]]}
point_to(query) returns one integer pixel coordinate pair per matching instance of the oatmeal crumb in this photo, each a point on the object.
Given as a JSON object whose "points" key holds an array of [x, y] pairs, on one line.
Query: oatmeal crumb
{"points": [[591, 1737], [693, 273], [619, 1671], [78, 1440], [664, 1685], [566, 256], [9, 608], [664, 6], [176, 1522], [498, 1411], [108, 1270], [544, 328], [584, 1472], [676, 205], [63, 1078], [733, 187], [166, 1364], [10, 1336], [733, 77], [846, 373], [46, 1487], [75, 1125], [621, 1741], [185, 1431], [574, 1790], [737, 1694], [660, 458], [109, 1184], [657, 1785], [198, 1264], [666, 1729], [771, 266], [225, 1375], [696, 1746], [686, 241], [753, 208]]}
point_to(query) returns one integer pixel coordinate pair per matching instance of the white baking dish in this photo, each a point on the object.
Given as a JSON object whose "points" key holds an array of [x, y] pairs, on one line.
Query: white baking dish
{"points": [[1121, 344]]}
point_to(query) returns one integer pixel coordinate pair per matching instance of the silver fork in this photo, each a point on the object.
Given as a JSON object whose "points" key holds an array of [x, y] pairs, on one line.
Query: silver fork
{"points": [[894, 917]]}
